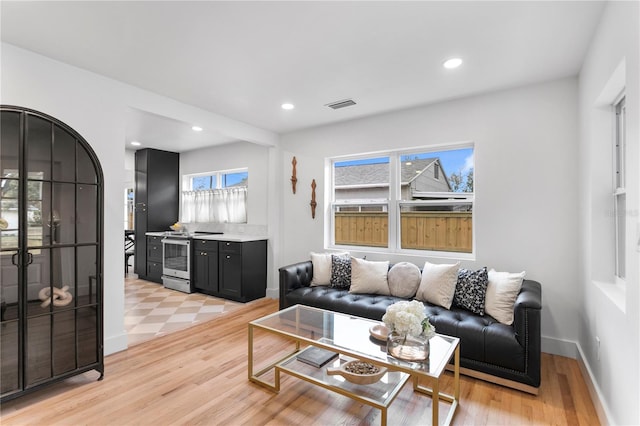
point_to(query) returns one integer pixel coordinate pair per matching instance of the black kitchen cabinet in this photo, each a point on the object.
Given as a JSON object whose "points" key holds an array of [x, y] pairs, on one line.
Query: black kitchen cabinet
{"points": [[231, 270], [154, 259], [157, 193], [205, 266], [242, 270], [51, 253]]}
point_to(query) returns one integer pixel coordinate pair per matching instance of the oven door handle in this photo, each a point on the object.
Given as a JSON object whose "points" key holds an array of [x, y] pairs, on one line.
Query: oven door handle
{"points": [[175, 241]]}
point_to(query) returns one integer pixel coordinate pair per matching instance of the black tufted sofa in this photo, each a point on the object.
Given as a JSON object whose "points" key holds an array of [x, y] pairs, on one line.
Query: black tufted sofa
{"points": [[505, 354]]}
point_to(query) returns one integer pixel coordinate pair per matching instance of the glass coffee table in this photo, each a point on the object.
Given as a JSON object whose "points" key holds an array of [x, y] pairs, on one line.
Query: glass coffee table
{"points": [[349, 336]]}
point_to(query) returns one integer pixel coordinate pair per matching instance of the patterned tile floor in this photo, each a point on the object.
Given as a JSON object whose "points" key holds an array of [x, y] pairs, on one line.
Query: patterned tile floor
{"points": [[152, 310]]}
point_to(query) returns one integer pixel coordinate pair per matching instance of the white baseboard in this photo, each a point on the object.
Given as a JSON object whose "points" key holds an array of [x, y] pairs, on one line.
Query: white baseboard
{"points": [[567, 348], [115, 344], [573, 350], [600, 404], [273, 293]]}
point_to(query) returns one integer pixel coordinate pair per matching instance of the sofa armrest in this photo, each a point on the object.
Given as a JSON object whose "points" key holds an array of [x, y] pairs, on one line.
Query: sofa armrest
{"points": [[527, 310], [526, 324], [294, 276]]}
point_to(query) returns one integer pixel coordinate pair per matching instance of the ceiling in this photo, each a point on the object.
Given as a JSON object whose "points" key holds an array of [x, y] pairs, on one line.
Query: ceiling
{"points": [[242, 60]]}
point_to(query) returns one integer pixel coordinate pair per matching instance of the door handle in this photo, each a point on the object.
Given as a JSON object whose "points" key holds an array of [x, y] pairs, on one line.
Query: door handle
{"points": [[29, 258], [13, 259]]}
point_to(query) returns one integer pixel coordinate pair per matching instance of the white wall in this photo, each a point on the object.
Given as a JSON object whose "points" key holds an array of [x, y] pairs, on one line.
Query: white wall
{"points": [[235, 156], [89, 104], [610, 313], [262, 203], [96, 107], [525, 177]]}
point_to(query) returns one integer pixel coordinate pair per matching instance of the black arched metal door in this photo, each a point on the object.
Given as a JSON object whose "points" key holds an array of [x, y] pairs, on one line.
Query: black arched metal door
{"points": [[51, 259]]}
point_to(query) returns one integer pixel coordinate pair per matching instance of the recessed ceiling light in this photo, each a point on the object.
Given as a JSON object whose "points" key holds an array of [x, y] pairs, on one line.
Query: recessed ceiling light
{"points": [[452, 63], [288, 106], [135, 143], [196, 128]]}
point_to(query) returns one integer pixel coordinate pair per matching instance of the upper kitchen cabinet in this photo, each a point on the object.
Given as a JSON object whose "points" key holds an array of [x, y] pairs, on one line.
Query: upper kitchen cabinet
{"points": [[157, 194]]}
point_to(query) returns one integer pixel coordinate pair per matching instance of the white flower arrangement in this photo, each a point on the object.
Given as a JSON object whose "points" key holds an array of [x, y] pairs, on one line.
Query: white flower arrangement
{"points": [[408, 318]]}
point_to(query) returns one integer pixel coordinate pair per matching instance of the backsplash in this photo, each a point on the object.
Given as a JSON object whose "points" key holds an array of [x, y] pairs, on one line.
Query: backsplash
{"points": [[228, 228]]}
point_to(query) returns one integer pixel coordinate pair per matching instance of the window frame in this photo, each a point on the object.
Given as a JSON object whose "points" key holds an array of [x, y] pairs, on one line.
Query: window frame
{"points": [[187, 180], [395, 203], [619, 186]]}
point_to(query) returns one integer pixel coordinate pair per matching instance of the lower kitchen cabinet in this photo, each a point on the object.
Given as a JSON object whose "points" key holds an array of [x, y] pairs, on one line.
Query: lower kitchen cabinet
{"points": [[154, 259], [205, 266], [232, 270]]}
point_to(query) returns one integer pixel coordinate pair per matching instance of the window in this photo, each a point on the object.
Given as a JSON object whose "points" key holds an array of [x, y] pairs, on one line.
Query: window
{"points": [[9, 209], [361, 202], [619, 193], [216, 197], [421, 200], [217, 180]]}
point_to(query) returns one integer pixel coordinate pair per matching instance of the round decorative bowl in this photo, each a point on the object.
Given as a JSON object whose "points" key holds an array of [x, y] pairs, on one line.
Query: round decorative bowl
{"points": [[379, 332], [176, 227], [358, 372]]}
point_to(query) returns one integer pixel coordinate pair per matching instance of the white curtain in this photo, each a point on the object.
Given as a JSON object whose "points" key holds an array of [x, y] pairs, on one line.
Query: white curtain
{"points": [[228, 205]]}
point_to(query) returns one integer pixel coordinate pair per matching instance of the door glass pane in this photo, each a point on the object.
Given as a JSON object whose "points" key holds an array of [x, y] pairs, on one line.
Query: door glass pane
{"points": [[38, 278], [87, 219], [9, 143], [38, 141], [87, 326], [63, 226], [38, 349], [8, 286], [87, 275], [86, 170], [64, 342], [38, 213], [63, 278], [64, 156], [9, 215], [9, 379]]}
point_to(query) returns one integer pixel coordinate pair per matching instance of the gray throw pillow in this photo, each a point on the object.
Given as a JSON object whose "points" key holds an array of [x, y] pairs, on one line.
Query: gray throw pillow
{"points": [[404, 279]]}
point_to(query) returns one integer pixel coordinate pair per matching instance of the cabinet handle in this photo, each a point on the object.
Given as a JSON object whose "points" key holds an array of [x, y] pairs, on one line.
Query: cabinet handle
{"points": [[228, 257]]}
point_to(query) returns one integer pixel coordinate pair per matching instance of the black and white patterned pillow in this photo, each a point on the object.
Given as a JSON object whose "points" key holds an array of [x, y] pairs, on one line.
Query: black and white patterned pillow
{"points": [[471, 290], [340, 271]]}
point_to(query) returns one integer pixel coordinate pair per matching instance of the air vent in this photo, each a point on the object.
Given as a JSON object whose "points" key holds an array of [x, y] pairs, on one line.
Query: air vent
{"points": [[341, 104]]}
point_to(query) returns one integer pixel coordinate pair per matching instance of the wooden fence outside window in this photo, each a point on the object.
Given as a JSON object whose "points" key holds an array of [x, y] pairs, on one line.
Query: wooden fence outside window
{"points": [[438, 231]]}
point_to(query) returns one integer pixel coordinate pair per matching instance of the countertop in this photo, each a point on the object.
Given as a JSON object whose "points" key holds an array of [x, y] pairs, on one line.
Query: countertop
{"points": [[238, 238]]}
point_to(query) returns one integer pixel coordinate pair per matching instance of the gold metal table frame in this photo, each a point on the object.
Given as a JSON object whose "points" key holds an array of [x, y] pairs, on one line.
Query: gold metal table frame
{"points": [[348, 336]]}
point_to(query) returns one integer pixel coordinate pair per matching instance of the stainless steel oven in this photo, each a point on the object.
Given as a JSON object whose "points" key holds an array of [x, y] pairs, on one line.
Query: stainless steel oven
{"points": [[176, 262]]}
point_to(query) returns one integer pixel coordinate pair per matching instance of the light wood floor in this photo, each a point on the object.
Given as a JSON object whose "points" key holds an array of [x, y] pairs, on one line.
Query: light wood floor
{"points": [[199, 377]]}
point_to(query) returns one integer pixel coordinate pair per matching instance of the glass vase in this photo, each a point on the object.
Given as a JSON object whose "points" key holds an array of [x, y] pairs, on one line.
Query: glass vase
{"points": [[408, 348]]}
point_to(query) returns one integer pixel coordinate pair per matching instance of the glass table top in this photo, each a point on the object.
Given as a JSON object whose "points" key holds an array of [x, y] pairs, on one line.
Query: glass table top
{"points": [[350, 335]]}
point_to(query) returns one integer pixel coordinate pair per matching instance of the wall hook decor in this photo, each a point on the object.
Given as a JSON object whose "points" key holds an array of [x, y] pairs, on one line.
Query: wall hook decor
{"points": [[313, 199], [294, 179]]}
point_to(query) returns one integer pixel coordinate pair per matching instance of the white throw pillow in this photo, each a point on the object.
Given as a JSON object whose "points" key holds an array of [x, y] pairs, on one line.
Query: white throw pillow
{"points": [[322, 268], [502, 291], [369, 277], [438, 284], [404, 279]]}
